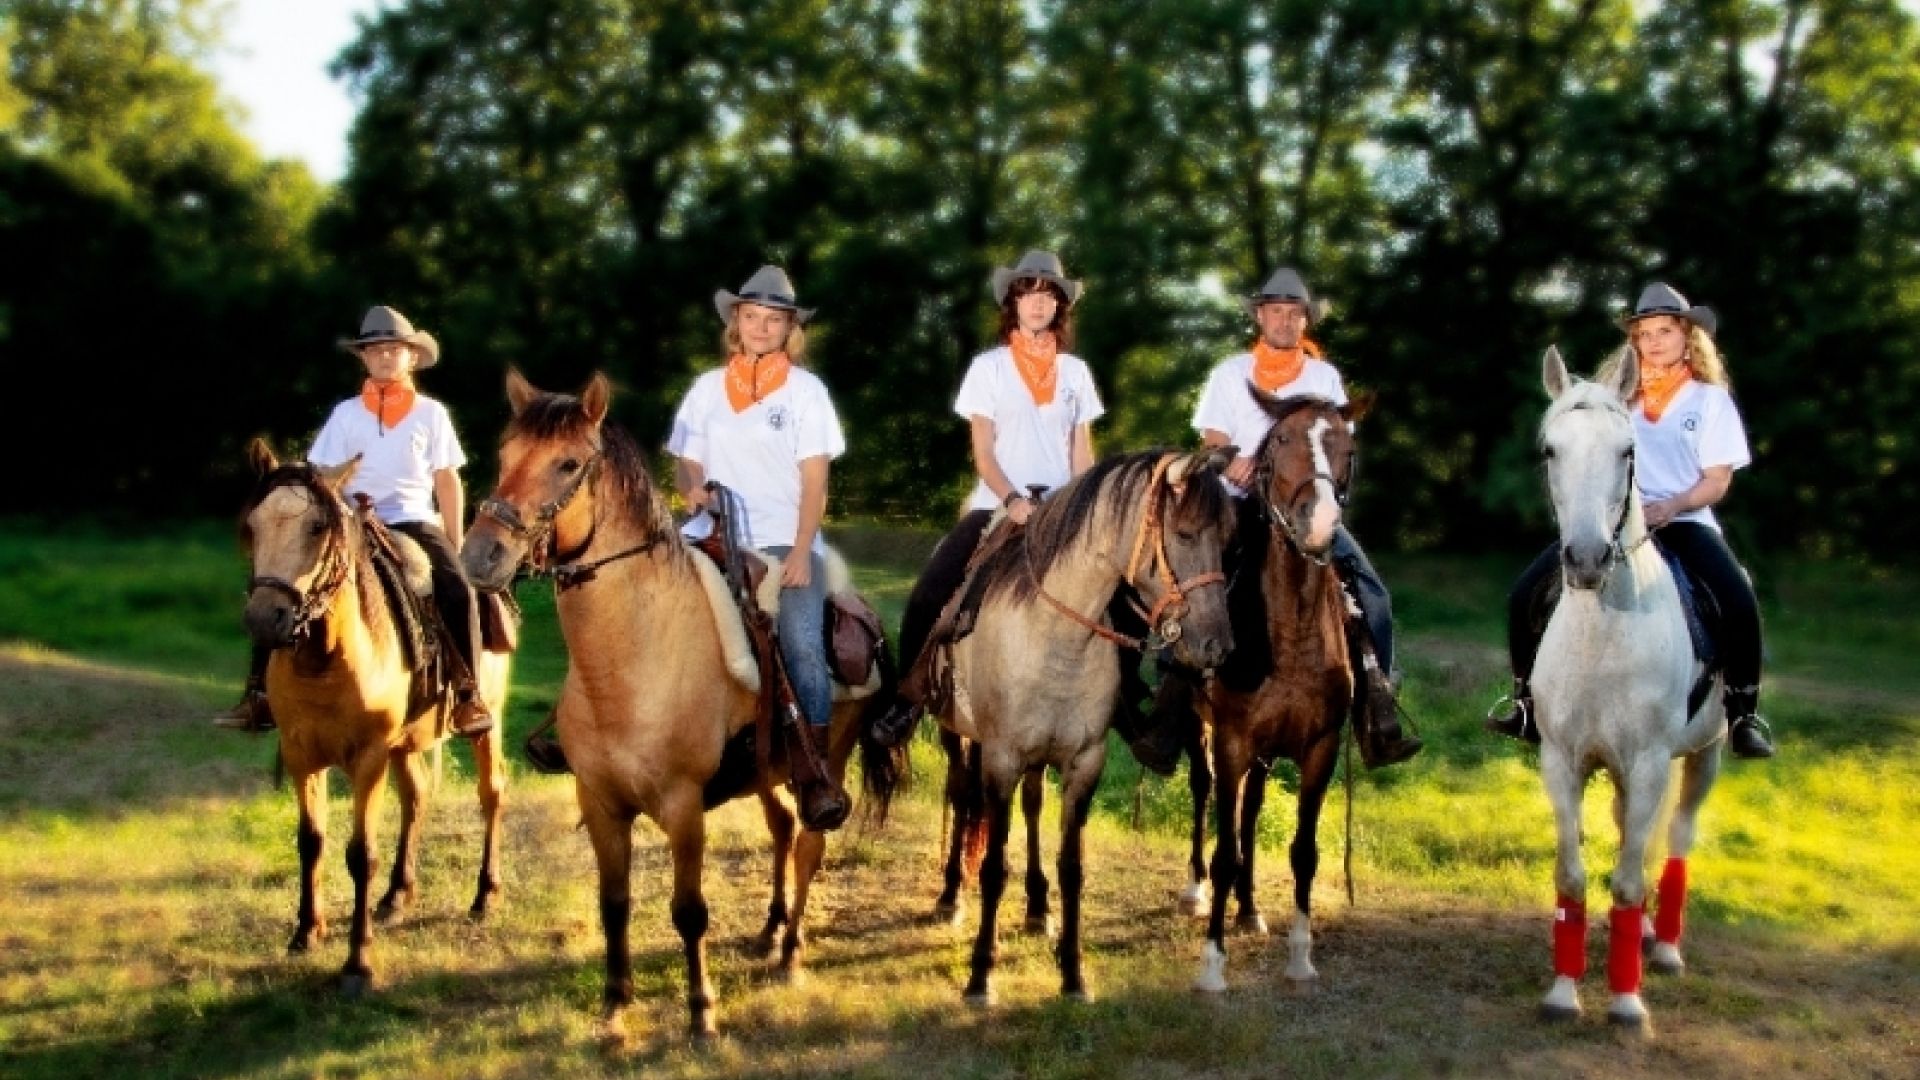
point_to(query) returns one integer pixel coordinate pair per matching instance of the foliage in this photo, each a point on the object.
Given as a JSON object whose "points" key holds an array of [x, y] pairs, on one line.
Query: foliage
{"points": [[561, 185]]}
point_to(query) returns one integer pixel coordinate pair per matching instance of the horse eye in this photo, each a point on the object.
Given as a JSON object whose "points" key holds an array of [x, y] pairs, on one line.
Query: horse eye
{"points": [[1547, 452], [317, 529], [1626, 454], [570, 466], [1185, 536]]}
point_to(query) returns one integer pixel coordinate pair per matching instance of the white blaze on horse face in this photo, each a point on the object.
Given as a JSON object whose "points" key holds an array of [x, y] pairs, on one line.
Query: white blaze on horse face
{"points": [[1326, 508]]}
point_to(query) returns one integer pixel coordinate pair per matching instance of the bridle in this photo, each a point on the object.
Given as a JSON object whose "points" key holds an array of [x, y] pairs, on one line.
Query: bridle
{"points": [[1276, 511], [1163, 619], [330, 569], [1620, 550], [543, 557]]}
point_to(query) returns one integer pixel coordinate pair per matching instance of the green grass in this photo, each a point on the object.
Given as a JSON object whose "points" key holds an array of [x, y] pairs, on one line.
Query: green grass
{"points": [[149, 873]]}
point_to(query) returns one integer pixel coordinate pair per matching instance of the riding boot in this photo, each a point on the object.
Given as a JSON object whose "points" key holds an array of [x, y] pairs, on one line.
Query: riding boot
{"points": [[1160, 737], [470, 717], [1512, 715], [252, 713], [1748, 736], [1383, 743], [824, 805]]}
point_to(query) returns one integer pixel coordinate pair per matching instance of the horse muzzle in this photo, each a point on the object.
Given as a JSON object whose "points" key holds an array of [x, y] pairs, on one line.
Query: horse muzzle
{"points": [[488, 561], [269, 618], [1586, 562]]}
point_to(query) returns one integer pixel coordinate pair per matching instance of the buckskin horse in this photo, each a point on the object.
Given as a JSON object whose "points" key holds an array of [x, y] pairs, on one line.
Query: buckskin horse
{"points": [[1287, 702], [344, 695], [1035, 681], [650, 704], [1612, 687]]}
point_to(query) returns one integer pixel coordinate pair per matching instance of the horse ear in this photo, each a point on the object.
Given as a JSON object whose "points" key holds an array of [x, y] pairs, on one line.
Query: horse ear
{"points": [[1553, 372], [1359, 406], [260, 456], [519, 390], [1177, 472], [1268, 403], [596, 396], [336, 476], [1625, 380]]}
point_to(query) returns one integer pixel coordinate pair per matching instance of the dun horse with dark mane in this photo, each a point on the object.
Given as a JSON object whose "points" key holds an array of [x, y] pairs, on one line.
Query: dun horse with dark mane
{"points": [[653, 700], [346, 696]]}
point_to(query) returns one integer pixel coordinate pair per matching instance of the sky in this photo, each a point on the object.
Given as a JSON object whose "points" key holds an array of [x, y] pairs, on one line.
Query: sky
{"points": [[273, 65]]}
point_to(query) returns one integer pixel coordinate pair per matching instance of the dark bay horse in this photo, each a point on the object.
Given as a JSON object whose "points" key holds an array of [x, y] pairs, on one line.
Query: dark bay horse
{"points": [[650, 702], [344, 696], [1034, 683], [1294, 703]]}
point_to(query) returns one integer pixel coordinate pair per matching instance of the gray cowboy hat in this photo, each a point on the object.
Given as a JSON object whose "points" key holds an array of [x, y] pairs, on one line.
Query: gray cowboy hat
{"points": [[768, 287], [1285, 284], [382, 323], [1044, 265], [1661, 298]]}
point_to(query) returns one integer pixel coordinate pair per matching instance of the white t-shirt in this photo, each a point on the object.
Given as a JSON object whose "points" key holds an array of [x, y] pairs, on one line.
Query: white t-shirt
{"points": [[1032, 443], [1227, 406], [757, 452], [396, 463], [1699, 429]]}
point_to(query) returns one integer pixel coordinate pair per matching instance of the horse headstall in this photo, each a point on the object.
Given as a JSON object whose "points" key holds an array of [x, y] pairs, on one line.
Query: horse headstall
{"points": [[540, 557]]}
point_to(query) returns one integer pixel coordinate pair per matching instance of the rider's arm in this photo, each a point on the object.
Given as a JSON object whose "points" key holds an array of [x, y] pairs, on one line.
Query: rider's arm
{"points": [[691, 478], [1708, 490], [1080, 457], [798, 571], [450, 496], [1240, 469]]}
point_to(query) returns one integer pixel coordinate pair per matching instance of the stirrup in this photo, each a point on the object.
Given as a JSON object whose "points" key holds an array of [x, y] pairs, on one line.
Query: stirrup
{"points": [[1384, 745], [251, 715], [1512, 716], [1758, 740]]}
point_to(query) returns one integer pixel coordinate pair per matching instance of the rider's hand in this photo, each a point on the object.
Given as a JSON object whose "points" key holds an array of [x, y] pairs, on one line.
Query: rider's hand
{"points": [[1020, 510], [797, 571], [1239, 472], [697, 499], [1661, 511]]}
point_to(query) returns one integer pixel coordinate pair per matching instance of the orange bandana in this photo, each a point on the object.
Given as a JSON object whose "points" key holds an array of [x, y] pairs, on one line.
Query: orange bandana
{"points": [[389, 401], [1657, 387], [1034, 359], [1274, 368], [751, 378]]}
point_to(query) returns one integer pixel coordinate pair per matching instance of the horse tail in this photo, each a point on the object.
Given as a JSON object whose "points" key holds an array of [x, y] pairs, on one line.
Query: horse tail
{"points": [[971, 806], [884, 770]]}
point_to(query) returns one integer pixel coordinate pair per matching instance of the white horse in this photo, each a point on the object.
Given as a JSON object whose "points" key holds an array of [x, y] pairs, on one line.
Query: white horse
{"points": [[1611, 684]]}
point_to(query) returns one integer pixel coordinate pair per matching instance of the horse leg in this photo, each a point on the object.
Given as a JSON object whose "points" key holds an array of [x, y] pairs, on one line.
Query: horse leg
{"points": [[611, 834], [1253, 795], [310, 792], [489, 765], [780, 828], [1646, 787], [369, 776], [1663, 943], [1316, 773], [808, 852], [685, 820], [947, 908], [998, 794], [1563, 783], [410, 777], [1032, 790], [1229, 774], [1194, 898], [1077, 784]]}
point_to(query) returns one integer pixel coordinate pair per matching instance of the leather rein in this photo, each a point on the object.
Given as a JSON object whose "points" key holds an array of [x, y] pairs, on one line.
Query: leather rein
{"points": [[1173, 597], [543, 557]]}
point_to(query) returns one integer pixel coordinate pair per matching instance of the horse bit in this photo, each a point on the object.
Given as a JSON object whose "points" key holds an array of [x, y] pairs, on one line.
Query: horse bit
{"points": [[543, 558]]}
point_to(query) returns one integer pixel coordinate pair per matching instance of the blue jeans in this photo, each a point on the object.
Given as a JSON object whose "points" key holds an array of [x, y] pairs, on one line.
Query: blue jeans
{"points": [[802, 628], [1376, 606]]}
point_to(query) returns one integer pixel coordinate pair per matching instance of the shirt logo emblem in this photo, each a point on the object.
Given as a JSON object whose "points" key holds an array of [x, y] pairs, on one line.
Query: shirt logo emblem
{"points": [[1691, 421], [777, 417]]}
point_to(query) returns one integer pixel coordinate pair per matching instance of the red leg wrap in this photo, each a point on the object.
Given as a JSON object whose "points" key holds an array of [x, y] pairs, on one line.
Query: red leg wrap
{"points": [[1570, 938], [1671, 916], [1623, 950]]}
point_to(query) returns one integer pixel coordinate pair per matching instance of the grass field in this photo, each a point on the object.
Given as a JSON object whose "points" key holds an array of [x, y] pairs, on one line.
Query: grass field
{"points": [[148, 874]]}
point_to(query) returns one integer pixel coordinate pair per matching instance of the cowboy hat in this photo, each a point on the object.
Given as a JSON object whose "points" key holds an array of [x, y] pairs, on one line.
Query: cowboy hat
{"points": [[1044, 265], [385, 324], [1285, 286], [1661, 298], [768, 287]]}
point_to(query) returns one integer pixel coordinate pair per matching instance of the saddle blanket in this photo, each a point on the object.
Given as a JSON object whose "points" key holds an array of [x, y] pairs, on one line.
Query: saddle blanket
{"points": [[732, 628]]}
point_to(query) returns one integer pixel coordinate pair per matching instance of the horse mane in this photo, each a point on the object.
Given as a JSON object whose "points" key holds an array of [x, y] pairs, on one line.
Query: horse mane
{"points": [[1583, 394], [1062, 521], [366, 585], [623, 465]]}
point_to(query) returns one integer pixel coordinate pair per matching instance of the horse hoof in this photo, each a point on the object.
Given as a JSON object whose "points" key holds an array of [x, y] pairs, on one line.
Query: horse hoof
{"points": [[789, 974], [1195, 900], [704, 1032], [1302, 983], [979, 999], [1252, 923], [1665, 959], [945, 914], [1037, 926], [1213, 970], [1630, 1023], [356, 984], [304, 940], [1559, 1014], [762, 947], [1083, 995], [483, 905], [388, 914]]}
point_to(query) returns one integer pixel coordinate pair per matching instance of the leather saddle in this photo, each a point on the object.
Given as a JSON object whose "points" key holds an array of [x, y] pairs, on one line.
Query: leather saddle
{"points": [[854, 637]]}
